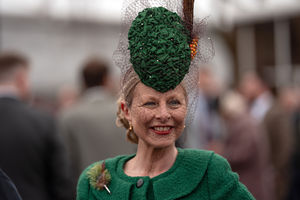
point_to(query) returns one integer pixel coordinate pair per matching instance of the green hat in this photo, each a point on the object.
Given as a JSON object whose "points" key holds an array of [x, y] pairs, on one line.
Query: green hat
{"points": [[159, 48], [162, 45]]}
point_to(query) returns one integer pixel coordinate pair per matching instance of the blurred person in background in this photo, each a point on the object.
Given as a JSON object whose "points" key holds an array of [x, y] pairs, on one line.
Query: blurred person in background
{"points": [[279, 127], [294, 192], [246, 147], [88, 127], [257, 94], [66, 97], [8, 190], [206, 127], [31, 152]]}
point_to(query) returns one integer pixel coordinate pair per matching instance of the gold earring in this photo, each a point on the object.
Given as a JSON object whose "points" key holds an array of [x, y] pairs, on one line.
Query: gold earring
{"points": [[130, 127]]}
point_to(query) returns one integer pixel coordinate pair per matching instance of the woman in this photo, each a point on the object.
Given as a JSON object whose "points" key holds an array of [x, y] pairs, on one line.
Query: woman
{"points": [[158, 87]]}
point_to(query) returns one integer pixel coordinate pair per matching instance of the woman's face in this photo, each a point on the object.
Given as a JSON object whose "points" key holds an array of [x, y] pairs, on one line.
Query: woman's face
{"points": [[157, 118]]}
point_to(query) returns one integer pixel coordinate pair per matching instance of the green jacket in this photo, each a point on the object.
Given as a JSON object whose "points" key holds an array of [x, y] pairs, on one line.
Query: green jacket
{"points": [[196, 174]]}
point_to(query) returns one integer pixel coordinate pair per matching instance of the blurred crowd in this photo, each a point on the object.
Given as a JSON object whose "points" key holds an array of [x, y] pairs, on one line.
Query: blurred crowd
{"points": [[43, 149], [42, 153], [254, 128]]}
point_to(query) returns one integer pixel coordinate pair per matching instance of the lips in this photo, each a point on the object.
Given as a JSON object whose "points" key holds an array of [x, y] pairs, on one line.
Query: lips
{"points": [[162, 130]]}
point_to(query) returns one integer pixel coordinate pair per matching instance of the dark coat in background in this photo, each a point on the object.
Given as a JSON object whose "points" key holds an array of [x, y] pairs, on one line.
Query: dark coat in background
{"points": [[278, 124], [8, 190], [31, 153], [294, 192]]}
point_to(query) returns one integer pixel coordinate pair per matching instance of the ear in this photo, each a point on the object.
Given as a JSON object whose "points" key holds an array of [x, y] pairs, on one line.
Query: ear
{"points": [[126, 110]]}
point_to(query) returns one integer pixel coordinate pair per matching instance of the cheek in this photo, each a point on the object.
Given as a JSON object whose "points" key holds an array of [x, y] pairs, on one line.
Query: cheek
{"points": [[142, 116], [179, 116]]}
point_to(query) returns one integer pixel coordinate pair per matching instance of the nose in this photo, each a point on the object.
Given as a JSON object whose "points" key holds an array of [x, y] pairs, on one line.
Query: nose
{"points": [[163, 113]]}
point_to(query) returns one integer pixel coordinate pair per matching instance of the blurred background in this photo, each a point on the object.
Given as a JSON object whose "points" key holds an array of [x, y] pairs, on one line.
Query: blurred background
{"points": [[249, 102], [58, 34]]}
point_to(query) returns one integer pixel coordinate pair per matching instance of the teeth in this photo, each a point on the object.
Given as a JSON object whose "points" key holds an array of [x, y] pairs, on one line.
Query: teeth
{"points": [[162, 128]]}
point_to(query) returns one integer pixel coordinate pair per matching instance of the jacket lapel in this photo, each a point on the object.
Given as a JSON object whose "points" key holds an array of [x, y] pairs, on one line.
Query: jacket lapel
{"points": [[185, 178]]}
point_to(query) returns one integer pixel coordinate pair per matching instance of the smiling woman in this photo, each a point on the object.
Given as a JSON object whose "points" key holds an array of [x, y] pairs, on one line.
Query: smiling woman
{"points": [[157, 118], [157, 89]]}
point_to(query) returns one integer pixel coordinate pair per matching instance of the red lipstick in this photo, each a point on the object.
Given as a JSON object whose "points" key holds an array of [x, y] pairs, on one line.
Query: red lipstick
{"points": [[162, 130]]}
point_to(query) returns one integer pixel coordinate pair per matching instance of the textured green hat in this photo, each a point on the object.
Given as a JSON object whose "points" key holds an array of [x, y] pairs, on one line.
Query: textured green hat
{"points": [[159, 48]]}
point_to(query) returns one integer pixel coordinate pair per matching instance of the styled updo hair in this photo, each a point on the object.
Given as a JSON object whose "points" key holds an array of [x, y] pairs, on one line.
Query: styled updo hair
{"points": [[126, 96]]}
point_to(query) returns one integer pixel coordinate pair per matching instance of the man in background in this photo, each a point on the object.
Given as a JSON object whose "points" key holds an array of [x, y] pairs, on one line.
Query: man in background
{"points": [[257, 93], [89, 126], [206, 128], [278, 124], [30, 150]]}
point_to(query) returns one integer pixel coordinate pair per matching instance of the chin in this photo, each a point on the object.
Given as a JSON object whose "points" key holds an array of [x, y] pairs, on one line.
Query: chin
{"points": [[159, 139], [162, 141], [161, 145]]}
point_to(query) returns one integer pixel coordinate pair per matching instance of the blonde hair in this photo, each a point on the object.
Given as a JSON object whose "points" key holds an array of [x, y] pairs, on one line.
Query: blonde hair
{"points": [[126, 96]]}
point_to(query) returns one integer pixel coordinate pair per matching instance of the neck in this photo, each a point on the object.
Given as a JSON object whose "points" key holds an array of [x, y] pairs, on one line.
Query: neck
{"points": [[8, 89], [150, 161]]}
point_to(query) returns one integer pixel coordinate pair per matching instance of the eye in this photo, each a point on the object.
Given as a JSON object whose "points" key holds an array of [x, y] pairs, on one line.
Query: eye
{"points": [[150, 103], [174, 102]]}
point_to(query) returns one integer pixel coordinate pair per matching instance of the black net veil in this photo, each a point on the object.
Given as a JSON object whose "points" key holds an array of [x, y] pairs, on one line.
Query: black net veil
{"points": [[205, 50]]}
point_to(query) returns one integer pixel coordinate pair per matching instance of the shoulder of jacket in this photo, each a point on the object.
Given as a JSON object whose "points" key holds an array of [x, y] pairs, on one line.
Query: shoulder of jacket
{"points": [[212, 160], [85, 182], [196, 155], [108, 162], [223, 182], [218, 162]]}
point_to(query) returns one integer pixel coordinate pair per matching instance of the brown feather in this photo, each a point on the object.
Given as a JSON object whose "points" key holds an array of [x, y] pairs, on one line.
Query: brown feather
{"points": [[188, 11]]}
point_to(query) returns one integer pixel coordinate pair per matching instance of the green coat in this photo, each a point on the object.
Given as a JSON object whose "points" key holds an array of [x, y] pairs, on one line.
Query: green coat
{"points": [[196, 174]]}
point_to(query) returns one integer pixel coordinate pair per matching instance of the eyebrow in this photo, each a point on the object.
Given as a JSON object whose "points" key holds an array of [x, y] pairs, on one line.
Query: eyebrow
{"points": [[154, 98], [149, 97]]}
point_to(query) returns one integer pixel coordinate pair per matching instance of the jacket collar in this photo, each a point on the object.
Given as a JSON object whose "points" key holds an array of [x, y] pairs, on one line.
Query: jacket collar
{"points": [[188, 171], [188, 174]]}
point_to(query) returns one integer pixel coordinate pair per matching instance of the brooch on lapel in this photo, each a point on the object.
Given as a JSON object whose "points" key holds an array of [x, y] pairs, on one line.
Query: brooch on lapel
{"points": [[99, 177]]}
